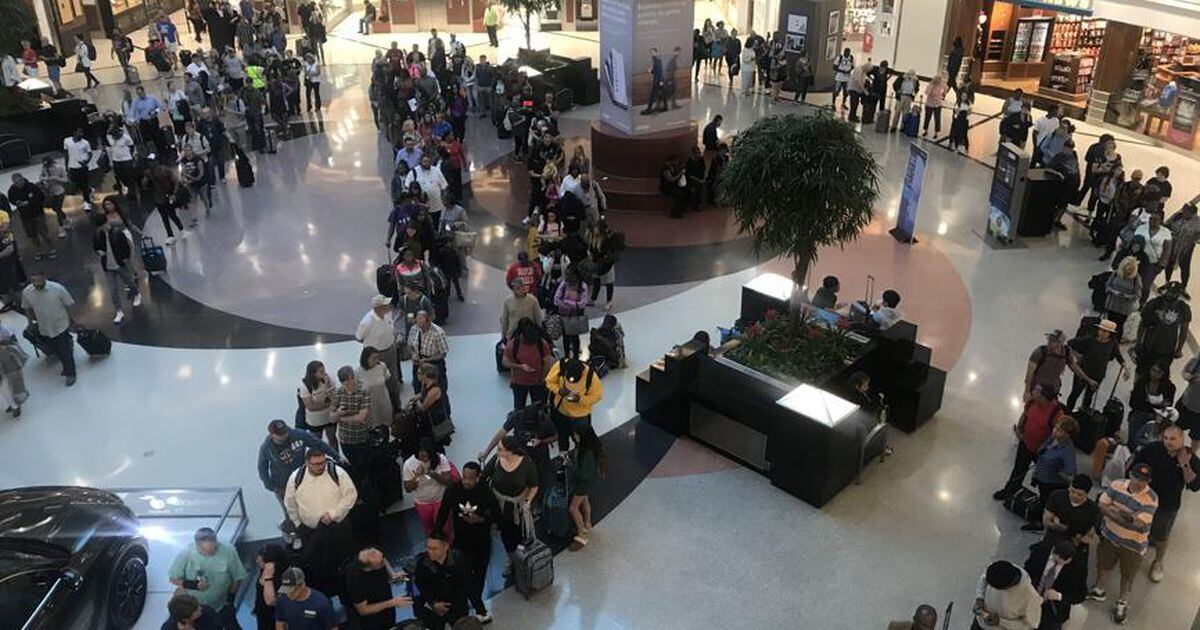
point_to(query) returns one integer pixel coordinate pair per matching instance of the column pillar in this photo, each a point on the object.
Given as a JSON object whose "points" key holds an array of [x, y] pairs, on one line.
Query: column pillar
{"points": [[1118, 56], [642, 121]]}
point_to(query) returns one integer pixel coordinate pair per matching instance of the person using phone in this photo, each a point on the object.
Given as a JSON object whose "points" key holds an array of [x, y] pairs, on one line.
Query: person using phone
{"points": [[211, 572]]}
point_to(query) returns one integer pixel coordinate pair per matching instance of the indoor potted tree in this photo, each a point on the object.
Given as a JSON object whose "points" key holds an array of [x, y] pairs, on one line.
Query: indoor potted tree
{"points": [[799, 183], [525, 10]]}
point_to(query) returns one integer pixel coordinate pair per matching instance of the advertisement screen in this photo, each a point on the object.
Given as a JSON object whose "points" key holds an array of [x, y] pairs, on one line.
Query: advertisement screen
{"points": [[910, 195], [646, 48]]}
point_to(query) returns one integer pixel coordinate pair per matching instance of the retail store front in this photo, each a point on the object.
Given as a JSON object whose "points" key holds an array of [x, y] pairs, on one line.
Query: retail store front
{"points": [[1047, 52], [1159, 95]]}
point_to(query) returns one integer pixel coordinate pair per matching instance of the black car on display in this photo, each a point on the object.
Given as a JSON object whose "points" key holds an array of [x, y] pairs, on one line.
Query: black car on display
{"points": [[70, 559]]}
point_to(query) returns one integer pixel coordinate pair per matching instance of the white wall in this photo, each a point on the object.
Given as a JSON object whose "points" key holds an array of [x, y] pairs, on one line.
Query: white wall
{"points": [[1181, 17], [919, 41]]}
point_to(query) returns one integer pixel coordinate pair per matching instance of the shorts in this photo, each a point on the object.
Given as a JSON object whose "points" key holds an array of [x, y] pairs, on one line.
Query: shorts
{"points": [[1189, 421], [1164, 522], [1109, 555]]}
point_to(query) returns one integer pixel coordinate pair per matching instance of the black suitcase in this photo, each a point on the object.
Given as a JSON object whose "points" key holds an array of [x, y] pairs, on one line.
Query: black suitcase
{"points": [[1099, 286], [245, 172], [272, 141], [154, 259], [39, 342], [500, 345], [1114, 409], [94, 342], [532, 567], [1024, 503], [869, 102], [1091, 428]]}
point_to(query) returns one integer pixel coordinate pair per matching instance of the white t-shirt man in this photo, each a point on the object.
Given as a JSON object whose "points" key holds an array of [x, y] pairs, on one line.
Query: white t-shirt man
{"points": [[375, 331], [1154, 244], [79, 152], [428, 489], [196, 67], [1044, 126]]}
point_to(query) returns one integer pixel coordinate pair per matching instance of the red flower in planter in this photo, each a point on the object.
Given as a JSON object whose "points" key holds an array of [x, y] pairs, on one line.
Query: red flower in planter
{"points": [[770, 314], [754, 330]]}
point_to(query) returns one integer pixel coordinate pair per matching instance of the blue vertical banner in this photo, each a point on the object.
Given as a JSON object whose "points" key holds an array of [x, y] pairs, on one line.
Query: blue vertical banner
{"points": [[910, 195]]}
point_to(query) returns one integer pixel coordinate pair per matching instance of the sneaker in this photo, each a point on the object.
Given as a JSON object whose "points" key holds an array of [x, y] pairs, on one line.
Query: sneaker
{"points": [[183, 234], [485, 618], [1032, 527], [37, 256], [53, 255], [62, 232], [1097, 594], [1156, 572], [70, 381], [1000, 494], [170, 240], [137, 300], [1120, 612], [119, 318]]}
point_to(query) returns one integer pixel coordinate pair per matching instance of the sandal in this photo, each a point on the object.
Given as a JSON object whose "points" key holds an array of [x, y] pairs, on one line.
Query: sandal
{"points": [[581, 541]]}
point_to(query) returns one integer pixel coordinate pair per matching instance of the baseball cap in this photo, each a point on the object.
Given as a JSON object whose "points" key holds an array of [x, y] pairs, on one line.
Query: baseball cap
{"points": [[1055, 335], [278, 427], [1141, 471], [291, 579]]}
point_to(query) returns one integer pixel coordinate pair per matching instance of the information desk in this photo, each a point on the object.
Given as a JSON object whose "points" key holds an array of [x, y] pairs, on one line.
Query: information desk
{"points": [[804, 439]]}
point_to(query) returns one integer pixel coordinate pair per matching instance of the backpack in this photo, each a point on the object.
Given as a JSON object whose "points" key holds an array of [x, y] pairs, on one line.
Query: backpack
{"points": [[330, 468], [91, 51], [438, 281]]}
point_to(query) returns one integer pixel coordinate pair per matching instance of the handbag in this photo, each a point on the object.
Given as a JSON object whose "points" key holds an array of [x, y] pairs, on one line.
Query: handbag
{"points": [[574, 324], [553, 325]]}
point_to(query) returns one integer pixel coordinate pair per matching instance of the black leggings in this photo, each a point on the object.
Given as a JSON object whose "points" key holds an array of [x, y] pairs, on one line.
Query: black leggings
{"points": [[1184, 260], [608, 291], [571, 345], [169, 214]]}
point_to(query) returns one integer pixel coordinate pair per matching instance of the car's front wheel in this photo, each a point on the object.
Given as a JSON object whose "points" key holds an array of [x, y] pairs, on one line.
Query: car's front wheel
{"points": [[127, 590]]}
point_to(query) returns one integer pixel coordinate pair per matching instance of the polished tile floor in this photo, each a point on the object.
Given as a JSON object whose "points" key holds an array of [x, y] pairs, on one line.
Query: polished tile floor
{"points": [[697, 544]]}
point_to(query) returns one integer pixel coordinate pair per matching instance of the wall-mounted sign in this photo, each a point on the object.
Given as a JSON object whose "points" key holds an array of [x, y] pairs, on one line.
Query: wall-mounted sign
{"points": [[1078, 7], [797, 24]]}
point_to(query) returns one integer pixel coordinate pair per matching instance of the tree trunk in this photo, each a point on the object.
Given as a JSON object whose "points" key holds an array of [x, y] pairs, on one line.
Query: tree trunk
{"points": [[528, 21], [800, 295]]}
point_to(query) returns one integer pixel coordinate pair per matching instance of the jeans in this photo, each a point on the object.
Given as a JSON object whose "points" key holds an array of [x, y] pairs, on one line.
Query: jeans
{"points": [[570, 345], [121, 277], [1148, 271], [79, 178], [934, 113], [492, 39], [359, 455], [63, 347], [844, 88], [1021, 464], [902, 107], [854, 99], [1183, 258], [126, 175], [56, 204], [535, 393]]}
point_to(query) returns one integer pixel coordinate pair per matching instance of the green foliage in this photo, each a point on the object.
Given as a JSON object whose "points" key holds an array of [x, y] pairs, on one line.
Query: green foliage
{"points": [[16, 23], [796, 184], [791, 349], [525, 9]]}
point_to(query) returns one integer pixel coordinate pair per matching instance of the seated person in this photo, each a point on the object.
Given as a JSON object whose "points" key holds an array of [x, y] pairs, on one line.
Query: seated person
{"points": [[925, 618], [826, 296], [885, 314]]}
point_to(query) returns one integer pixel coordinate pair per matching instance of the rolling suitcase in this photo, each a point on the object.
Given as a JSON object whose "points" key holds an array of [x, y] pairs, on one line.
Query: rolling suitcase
{"points": [[533, 567], [1099, 286], [868, 116], [272, 141], [911, 124], [154, 259], [94, 342], [883, 122], [1114, 409], [245, 172]]}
